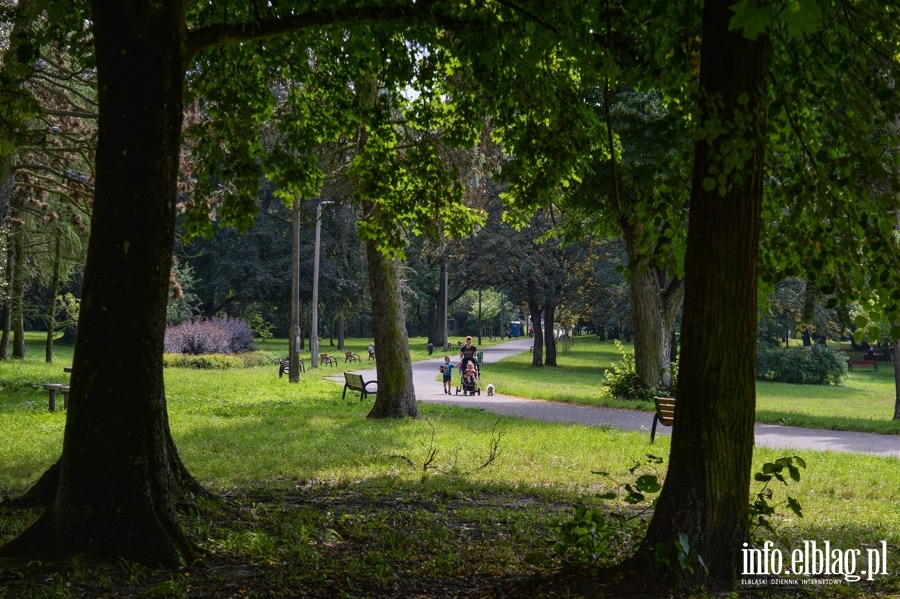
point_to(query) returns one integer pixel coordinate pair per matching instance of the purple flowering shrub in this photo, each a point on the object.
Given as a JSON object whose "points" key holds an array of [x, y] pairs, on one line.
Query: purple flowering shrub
{"points": [[219, 335]]}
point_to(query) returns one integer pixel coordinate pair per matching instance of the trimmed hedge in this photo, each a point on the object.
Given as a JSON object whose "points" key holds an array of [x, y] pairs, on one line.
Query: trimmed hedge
{"points": [[813, 365], [220, 361]]}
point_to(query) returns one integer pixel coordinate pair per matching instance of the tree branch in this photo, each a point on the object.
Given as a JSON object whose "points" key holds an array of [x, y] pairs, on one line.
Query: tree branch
{"points": [[214, 35]]}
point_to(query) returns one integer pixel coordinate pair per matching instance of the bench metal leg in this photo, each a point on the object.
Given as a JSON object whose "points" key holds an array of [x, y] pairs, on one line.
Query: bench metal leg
{"points": [[653, 428], [52, 388]]}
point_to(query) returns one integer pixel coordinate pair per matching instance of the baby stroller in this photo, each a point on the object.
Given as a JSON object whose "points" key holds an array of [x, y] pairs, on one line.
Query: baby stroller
{"points": [[469, 380]]}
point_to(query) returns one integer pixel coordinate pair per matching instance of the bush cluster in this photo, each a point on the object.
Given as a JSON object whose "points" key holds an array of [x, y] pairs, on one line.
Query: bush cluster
{"points": [[622, 381], [221, 361], [812, 365], [219, 335], [204, 361]]}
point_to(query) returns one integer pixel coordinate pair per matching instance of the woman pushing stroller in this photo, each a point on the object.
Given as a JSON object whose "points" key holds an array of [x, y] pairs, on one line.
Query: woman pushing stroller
{"points": [[467, 353]]}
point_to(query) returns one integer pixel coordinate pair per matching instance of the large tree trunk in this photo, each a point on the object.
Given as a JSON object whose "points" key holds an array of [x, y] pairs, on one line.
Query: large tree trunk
{"points": [[706, 492], [654, 309], [117, 488], [7, 298], [896, 379], [396, 396], [550, 334]]}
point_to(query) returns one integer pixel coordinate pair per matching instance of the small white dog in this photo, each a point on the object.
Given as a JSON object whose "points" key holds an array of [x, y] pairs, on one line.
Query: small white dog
{"points": [[490, 389]]}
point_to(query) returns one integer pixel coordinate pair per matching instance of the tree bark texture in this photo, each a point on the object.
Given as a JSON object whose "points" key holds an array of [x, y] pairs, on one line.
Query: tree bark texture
{"points": [[7, 299], [117, 487], [655, 303], [896, 345], [706, 492], [550, 334], [396, 396]]}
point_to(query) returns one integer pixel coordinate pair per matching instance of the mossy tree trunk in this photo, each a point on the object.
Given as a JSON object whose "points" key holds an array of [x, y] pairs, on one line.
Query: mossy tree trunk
{"points": [[117, 486], [655, 303], [706, 492], [396, 396]]}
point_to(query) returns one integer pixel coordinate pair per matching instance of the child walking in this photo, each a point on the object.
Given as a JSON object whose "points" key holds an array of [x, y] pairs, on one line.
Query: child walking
{"points": [[447, 370]]}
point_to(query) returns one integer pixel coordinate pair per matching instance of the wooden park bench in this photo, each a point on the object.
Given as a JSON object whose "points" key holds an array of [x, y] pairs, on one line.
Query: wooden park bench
{"points": [[326, 360], [355, 382], [53, 389], [284, 367], [351, 357], [665, 414], [863, 363]]}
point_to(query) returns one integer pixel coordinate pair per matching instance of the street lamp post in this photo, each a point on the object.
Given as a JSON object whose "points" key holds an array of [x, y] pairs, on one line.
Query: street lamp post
{"points": [[314, 326]]}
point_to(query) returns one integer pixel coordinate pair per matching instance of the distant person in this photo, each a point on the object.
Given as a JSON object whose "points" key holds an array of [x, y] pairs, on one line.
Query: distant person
{"points": [[447, 371], [468, 353], [372, 351]]}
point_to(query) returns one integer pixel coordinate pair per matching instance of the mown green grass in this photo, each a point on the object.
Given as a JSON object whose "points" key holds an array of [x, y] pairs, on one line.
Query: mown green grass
{"points": [[864, 402], [247, 433]]}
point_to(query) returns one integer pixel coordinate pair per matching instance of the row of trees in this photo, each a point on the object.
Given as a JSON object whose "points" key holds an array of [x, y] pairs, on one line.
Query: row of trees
{"points": [[404, 100]]}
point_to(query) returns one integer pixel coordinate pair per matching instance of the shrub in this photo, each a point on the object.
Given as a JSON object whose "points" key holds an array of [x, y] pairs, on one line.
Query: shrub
{"points": [[260, 358], [212, 361], [204, 362], [208, 336], [813, 365], [622, 380]]}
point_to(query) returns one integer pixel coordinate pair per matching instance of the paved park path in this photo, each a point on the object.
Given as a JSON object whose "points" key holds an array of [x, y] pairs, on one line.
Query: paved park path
{"points": [[429, 389]]}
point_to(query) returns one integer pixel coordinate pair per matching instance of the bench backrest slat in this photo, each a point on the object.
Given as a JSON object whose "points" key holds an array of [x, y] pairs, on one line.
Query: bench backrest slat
{"points": [[353, 379], [665, 408]]}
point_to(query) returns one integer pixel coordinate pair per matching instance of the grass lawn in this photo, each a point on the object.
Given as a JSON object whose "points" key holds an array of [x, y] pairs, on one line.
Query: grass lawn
{"points": [[314, 500], [864, 402]]}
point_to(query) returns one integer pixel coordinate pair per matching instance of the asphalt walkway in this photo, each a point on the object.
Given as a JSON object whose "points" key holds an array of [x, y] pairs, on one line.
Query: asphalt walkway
{"points": [[429, 389]]}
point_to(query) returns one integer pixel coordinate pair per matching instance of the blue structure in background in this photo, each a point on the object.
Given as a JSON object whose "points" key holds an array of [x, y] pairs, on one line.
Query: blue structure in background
{"points": [[515, 328]]}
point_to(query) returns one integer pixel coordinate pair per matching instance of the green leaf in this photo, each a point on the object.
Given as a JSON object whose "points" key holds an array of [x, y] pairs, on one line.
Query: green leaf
{"points": [[683, 544], [801, 17], [752, 18]]}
